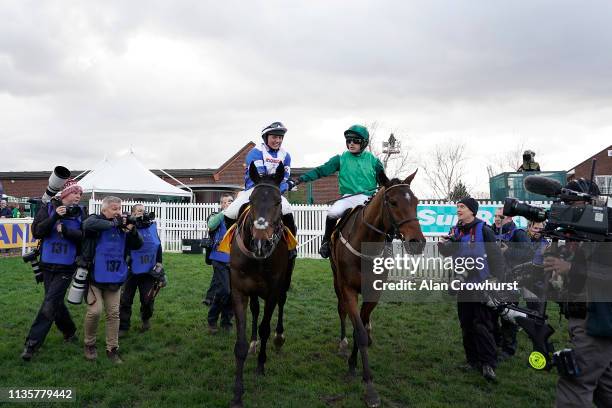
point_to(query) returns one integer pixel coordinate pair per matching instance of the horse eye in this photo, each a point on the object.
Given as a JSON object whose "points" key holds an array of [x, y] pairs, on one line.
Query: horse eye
{"points": [[393, 203]]}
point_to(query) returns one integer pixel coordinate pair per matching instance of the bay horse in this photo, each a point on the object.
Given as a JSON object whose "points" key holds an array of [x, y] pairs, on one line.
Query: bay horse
{"points": [[391, 213], [260, 267]]}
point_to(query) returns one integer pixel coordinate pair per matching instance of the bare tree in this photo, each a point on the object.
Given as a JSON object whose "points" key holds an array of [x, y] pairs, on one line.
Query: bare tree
{"points": [[506, 160], [445, 168]]}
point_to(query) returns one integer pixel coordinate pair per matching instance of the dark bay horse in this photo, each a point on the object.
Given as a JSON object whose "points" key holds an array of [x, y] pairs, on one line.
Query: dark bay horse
{"points": [[260, 267], [391, 213]]}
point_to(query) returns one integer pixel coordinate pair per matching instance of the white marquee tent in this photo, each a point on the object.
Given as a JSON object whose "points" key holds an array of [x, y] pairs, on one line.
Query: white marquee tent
{"points": [[126, 177]]}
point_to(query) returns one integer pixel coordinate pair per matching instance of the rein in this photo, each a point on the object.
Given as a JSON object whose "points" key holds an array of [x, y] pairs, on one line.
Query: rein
{"points": [[389, 235], [395, 225]]}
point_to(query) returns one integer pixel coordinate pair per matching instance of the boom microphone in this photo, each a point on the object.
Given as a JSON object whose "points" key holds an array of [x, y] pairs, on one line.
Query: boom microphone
{"points": [[542, 185]]}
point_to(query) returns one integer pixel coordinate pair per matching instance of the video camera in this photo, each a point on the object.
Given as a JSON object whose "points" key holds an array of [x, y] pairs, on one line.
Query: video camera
{"points": [[591, 221]]}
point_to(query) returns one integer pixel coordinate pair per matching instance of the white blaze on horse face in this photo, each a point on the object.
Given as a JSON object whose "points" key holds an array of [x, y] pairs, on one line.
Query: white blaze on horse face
{"points": [[408, 197], [260, 223]]}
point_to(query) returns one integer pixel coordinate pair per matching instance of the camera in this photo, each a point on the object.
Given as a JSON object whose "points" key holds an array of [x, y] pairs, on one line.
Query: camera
{"points": [[590, 221], [78, 285], [32, 259], [142, 221], [56, 183], [73, 210]]}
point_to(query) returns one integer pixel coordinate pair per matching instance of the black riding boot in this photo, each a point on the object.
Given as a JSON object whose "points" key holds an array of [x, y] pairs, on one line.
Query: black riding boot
{"points": [[330, 224], [228, 222], [289, 222]]}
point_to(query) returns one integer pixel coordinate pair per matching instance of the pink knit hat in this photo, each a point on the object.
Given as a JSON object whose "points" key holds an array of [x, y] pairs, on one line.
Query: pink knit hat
{"points": [[70, 187]]}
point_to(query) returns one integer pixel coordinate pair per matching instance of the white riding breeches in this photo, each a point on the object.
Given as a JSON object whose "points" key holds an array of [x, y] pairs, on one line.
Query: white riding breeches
{"points": [[340, 206], [243, 197]]}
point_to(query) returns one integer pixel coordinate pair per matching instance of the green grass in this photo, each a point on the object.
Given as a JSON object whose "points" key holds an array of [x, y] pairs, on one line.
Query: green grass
{"points": [[416, 350]]}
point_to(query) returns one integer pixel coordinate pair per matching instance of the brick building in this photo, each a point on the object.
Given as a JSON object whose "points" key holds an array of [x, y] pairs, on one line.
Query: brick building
{"points": [[603, 170], [207, 184]]}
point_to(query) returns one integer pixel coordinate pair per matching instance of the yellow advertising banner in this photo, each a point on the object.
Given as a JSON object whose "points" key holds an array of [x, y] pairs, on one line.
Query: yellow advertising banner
{"points": [[13, 235]]}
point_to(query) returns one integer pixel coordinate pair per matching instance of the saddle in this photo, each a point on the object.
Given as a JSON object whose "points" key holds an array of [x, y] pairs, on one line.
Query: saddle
{"points": [[344, 219], [226, 243]]}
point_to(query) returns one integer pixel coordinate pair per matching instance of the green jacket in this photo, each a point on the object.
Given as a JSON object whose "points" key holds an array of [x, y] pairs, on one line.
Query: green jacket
{"points": [[356, 172]]}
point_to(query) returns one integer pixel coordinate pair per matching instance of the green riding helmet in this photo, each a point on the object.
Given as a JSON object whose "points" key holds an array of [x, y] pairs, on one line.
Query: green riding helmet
{"points": [[360, 132]]}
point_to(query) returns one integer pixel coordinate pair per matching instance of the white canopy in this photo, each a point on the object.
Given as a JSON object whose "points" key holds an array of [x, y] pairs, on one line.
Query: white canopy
{"points": [[125, 175]]}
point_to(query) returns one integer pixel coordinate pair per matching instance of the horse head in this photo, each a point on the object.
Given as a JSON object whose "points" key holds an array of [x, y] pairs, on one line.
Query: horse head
{"points": [[400, 212], [266, 212]]}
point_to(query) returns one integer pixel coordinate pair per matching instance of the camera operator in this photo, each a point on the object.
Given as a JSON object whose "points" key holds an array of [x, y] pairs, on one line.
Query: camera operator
{"points": [[516, 248], [58, 227], [467, 239], [589, 316], [108, 240], [219, 285], [142, 261], [529, 164]]}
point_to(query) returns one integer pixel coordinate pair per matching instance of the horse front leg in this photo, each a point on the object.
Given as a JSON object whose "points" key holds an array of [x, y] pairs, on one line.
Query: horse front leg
{"points": [[343, 343], [241, 347], [254, 306], [366, 311], [279, 336], [264, 333], [360, 341]]}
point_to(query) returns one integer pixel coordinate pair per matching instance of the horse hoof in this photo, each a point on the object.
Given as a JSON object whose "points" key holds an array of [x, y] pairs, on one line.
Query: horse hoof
{"points": [[343, 348], [253, 347], [371, 397], [352, 372], [236, 404], [279, 340]]}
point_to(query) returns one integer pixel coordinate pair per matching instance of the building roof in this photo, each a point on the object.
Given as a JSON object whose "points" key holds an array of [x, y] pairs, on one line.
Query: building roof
{"points": [[590, 158]]}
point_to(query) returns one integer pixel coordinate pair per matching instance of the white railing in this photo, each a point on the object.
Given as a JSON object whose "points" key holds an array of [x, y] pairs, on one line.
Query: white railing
{"points": [[177, 221]]}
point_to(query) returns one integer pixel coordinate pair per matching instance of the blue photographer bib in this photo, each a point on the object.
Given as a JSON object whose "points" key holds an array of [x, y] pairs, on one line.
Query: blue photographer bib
{"points": [[56, 249], [109, 262], [473, 246], [144, 259]]}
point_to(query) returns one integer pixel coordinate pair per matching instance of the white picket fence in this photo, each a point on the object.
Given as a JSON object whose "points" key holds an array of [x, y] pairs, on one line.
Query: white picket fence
{"points": [[177, 221]]}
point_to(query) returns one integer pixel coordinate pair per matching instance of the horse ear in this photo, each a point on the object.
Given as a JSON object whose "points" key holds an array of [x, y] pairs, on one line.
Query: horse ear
{"points": [[280, 173], [253, 173], [382, 178], [410, 177]]}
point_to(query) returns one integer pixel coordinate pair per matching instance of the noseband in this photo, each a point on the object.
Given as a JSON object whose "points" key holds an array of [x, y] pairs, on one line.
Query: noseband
{"points": [[260, 224]]}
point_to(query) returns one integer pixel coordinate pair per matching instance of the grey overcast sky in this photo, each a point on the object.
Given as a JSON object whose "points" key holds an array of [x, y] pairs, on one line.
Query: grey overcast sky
{"points": [[186, 83]]}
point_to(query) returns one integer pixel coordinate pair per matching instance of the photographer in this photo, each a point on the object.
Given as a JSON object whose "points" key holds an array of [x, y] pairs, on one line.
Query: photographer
{"points": [[516, 248], [58, 226], [585, 269], [468, 239], [219, 286], [143, 261], [108, 240], [529, 164]]}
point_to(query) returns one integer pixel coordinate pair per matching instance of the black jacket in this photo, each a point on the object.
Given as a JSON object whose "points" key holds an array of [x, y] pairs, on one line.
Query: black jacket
{"points": [[43, 225], [92, 228]]}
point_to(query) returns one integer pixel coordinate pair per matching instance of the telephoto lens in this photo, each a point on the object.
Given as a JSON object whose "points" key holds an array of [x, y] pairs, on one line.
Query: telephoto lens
{"points": [[32, 259], [78, 285]]}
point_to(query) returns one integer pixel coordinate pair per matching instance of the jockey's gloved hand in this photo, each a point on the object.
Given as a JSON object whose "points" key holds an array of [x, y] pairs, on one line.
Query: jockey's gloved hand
{"points": [[292, 183]]}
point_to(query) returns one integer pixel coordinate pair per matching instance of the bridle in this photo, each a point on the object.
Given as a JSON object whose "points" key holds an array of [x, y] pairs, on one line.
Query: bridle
{"points": [[394, 232], [271, 240]]}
